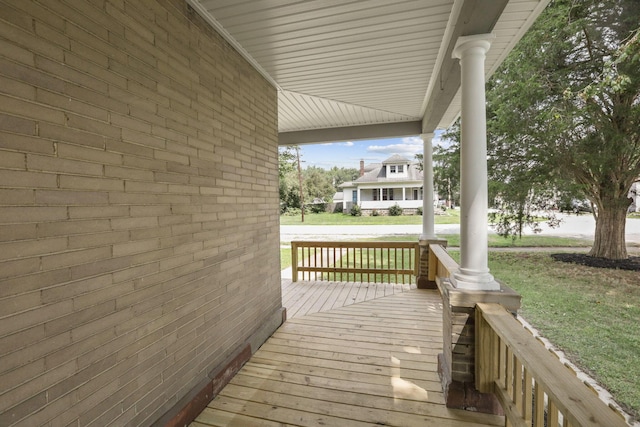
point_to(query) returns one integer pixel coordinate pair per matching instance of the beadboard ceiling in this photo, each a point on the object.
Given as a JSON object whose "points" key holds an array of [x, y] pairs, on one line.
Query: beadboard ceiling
{"points": [[358, 69]]}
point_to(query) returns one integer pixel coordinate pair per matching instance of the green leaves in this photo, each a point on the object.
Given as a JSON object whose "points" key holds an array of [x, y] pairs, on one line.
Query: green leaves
{"points": [[564, 110]]}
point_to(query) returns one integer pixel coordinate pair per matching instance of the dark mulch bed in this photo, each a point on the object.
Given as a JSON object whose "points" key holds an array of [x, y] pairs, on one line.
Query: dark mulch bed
{"points": [[631, 263]]}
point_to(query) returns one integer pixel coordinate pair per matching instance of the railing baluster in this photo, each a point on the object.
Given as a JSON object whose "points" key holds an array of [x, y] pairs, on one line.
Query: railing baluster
{"points": [[527, 405], [503, 365], [518, 386], [496, 344], [509, 373], [552, 414], [395, 260], [539, 405], [334, 263], [341, 278], [375, 264], [305, 262], [322, 252], [361, 252]]}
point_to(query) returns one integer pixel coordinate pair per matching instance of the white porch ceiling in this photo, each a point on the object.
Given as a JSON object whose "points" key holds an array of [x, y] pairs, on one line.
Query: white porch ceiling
{"points": [[354, 69]]}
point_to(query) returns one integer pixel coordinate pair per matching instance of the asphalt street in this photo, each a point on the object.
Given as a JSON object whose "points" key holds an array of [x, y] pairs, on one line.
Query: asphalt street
{"points": [[582, 226]]}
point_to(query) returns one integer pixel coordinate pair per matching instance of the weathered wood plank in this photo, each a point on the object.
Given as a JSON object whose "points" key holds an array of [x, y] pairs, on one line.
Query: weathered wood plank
{"points": [[370, 363], [273, 413], [426, 374], [355, 407], [404, 402], [340, 379]]}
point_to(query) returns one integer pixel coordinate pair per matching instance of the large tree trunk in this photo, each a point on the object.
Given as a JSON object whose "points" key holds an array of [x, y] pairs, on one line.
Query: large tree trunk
{"points": [[610, 232]]}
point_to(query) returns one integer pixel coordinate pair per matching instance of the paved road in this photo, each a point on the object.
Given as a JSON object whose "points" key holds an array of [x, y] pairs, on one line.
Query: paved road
{"points": [[582, 226]]}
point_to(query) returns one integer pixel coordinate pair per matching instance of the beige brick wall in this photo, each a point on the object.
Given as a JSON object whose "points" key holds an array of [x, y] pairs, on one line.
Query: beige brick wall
{"points": [[139, 242]]}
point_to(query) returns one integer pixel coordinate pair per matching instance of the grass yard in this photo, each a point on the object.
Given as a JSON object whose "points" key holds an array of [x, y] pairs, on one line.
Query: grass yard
{"points": [[496, 241], [285, 258], [592, 314], [451, 216]]}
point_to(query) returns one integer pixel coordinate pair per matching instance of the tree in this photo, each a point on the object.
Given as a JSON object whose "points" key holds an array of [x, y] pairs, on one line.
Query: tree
{"points": [[288, 183], [564, 114], [342, 175], [317, 183]]}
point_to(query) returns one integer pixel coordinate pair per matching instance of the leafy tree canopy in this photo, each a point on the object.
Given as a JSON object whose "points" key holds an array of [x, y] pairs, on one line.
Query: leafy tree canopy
{"points": [[563, 116], [317, 183]]}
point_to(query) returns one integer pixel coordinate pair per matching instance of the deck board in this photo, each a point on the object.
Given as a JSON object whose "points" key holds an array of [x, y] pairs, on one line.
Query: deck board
{"points": [[302, 298], [362, 364]]}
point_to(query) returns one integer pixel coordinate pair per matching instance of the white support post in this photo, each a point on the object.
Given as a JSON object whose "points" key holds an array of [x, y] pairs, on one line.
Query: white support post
{"points": [[428, 214], [474, 271]]}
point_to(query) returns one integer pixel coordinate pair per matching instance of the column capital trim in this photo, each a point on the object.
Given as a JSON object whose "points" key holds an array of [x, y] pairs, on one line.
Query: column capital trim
{"points": [[465, 43]]}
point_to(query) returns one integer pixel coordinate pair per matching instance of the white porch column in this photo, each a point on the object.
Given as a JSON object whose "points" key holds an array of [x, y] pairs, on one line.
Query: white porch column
{"points": [[474, 271], [428, 215]]}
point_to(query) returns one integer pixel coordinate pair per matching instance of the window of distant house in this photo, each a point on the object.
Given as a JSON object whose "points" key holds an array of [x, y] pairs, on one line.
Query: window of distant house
{"points": [[387, 194], [375, 194], [396, 169], [355, 196]]}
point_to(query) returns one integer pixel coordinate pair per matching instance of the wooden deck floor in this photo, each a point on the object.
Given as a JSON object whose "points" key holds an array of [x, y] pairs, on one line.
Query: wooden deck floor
{"points": [[364, 364], [302, 298]]}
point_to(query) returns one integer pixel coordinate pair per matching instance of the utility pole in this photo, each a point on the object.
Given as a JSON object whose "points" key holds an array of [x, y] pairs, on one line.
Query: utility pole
{"points": [[300, 183]]}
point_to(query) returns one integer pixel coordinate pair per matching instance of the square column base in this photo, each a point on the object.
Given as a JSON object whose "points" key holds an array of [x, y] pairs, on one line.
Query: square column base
{"points": [[463, 395], [456, 364]]}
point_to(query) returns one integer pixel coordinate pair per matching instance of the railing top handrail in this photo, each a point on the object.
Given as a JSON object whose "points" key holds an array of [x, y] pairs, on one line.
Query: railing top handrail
{"points": [[348, 244], [443, 256], [571, 396]]}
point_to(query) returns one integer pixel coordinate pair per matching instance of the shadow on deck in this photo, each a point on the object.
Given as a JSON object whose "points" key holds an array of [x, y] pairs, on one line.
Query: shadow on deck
{"points": [[349, 355]]}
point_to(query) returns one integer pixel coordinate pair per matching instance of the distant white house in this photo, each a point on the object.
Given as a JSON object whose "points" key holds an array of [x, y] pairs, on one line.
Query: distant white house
{"points": [[634, 195], [395, 181]]}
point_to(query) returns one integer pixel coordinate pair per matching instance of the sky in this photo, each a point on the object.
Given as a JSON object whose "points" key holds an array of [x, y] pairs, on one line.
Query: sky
{"points": [[348, 154]]}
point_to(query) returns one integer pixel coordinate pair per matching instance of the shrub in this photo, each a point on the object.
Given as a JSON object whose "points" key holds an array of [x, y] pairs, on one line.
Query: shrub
{"points": [[419, 211], [317, 207], [375, 213], [395, 210], [355, 210], [292, 211]]}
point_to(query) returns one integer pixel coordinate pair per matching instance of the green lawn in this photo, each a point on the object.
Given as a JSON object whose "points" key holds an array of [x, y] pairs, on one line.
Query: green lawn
{"points": [[285, 258], [451, 216], [495, 241]]}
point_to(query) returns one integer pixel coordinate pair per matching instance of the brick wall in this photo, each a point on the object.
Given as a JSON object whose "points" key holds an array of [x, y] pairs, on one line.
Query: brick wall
{"points": [[138, 208]]}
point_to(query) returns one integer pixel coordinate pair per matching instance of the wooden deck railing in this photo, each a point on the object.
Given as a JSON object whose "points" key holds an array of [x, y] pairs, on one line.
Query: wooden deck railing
{"points": [[534, 388], [377, 262]]}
